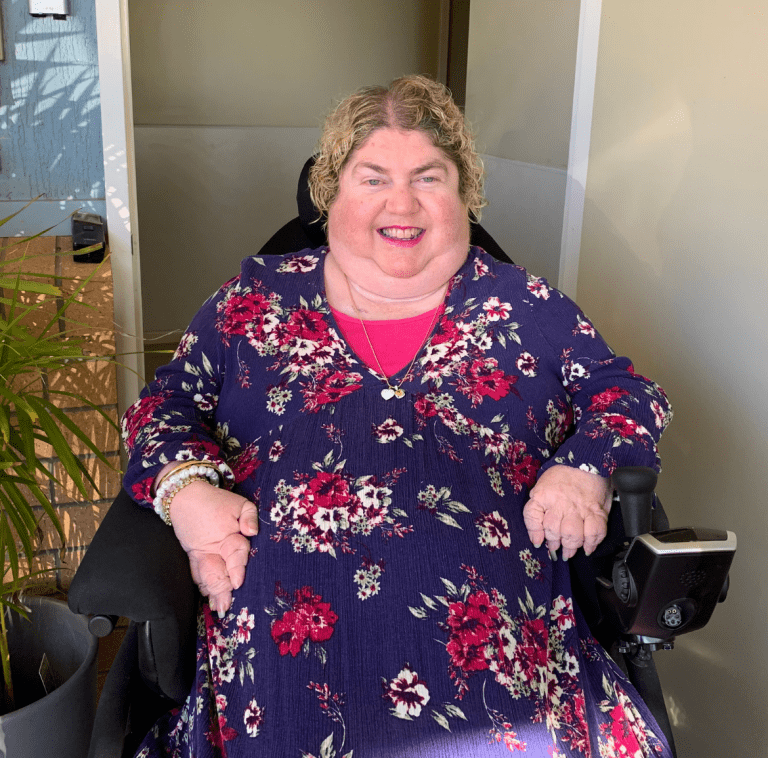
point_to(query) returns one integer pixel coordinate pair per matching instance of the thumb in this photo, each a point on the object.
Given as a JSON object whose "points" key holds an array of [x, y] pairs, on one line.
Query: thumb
{"points": [[248, 520]]}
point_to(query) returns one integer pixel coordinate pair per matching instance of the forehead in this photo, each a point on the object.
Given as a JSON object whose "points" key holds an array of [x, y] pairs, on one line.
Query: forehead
{"points": [[394, 149]]}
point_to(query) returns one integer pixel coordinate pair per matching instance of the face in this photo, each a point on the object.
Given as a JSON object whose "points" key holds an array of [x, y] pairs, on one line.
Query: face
{"points": [[398, 227]]}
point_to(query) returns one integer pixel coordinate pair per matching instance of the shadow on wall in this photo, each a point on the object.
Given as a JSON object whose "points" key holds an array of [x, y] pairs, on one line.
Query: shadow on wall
{"points": [[676, 322], [50, 118]]}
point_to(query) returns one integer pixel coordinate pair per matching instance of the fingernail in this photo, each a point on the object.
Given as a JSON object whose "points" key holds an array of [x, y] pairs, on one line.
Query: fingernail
{"points": [[553, 555], [537, 545], [565, 557], [220, 613]]}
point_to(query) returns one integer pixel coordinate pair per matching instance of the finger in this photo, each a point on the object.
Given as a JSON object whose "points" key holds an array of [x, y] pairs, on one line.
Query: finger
{"points": [[533, 517], [553, 529], [571, 534], [595, 529], [249, 519], [234, 550], [215, 582]]}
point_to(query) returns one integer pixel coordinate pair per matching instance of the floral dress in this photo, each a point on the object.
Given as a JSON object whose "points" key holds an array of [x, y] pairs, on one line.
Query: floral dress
{"points": [[393, 604]]}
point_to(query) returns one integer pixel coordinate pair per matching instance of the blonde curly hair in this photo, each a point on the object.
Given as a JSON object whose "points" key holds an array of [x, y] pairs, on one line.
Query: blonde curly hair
{"points": [[409, 103]]}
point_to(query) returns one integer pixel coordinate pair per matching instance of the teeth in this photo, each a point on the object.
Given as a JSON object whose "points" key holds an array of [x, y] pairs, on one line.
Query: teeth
{"points": [[401, 234]]}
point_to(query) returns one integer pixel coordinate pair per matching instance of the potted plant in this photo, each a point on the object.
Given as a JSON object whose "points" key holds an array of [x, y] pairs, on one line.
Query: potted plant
{"points": [[47, 655]]}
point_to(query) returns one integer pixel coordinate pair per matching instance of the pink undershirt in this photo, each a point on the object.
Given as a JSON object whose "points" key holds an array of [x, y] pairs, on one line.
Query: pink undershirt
{"points": [[396, 341]]}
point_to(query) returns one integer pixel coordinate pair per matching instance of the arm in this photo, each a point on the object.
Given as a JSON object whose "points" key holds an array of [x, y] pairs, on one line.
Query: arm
{"points": [[618, 419], [174, 421]]}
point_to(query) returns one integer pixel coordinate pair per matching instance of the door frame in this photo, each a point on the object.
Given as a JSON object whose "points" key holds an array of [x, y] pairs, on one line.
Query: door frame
{"points": [[590, 13], [113, 42]]}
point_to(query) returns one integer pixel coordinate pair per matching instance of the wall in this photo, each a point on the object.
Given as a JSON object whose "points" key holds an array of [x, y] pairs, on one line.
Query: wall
{"points": [[50, 118], [228, 99], [520, 75], [674, 270]]}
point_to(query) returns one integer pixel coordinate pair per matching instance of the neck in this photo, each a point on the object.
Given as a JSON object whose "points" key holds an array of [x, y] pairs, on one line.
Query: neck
{"points": [[353, 299]]}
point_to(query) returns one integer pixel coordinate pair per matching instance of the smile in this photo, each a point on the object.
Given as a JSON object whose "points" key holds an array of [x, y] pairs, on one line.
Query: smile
{"points": [[403, 236]]}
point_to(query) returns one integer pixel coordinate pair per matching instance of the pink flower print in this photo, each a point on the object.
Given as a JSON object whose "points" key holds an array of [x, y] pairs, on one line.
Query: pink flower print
{"points": [[496, 310], [253, 718], [562, 612], [142, 490], [605, 399], [659, 415], [538, 287], [622, 425], [584, 327], [329, 387], [408, 694], [140, 414], [481, 269], [308, 619], [186, 344]]}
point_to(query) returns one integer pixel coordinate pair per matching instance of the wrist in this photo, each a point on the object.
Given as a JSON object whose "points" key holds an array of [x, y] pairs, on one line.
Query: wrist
{"points": [[179, 478]]}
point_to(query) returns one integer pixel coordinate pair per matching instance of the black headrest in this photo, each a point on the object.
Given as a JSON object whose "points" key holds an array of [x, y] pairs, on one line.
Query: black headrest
{"points": [[309, 217]]}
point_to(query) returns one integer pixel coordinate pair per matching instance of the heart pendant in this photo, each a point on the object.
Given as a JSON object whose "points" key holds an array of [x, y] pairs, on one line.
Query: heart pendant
{"points": [[388, 393]]}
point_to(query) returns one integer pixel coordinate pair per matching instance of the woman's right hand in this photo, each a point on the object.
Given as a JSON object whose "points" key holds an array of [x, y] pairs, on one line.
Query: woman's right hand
{"points": [[213, 526]]}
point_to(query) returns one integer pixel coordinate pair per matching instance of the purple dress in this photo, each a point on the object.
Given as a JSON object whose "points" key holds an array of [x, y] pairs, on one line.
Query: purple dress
{"points": [[393, 604]]}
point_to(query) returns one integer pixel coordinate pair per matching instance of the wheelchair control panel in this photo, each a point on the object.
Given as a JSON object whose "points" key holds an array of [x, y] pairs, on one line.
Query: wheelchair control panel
{"points": [[663, 583]]}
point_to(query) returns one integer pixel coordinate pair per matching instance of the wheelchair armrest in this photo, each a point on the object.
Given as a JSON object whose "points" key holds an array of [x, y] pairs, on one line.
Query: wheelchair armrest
{"points": [[136, 568]]}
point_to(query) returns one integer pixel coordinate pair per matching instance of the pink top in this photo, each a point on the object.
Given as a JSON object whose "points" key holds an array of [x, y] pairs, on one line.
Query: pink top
{"points": [[396, 341]]}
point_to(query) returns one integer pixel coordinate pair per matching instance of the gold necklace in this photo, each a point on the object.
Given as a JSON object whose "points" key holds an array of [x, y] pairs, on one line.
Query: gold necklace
{"points": [[389, 391]]}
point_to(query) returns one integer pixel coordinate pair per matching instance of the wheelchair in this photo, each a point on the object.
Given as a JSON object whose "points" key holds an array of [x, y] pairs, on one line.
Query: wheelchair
{"points": [[643, 586]]}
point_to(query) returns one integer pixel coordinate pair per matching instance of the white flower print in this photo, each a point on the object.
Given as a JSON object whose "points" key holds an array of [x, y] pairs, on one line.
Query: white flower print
{"points": [[408, 694], [527, 365], [388, 431], [301, 264], [253, 718], [494, 531], [245, 623], [276, 451], [496, 310]]}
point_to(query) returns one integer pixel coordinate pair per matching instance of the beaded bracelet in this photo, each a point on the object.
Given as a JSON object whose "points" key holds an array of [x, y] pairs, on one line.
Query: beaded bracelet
{"points": [[171, 484]]}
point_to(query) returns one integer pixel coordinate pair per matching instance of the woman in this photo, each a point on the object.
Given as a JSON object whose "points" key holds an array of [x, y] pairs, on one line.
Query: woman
{"points": [[418, 429]]}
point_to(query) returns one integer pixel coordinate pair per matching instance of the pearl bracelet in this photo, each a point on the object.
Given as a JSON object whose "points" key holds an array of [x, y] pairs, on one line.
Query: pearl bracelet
{"points": [[174, 482]]}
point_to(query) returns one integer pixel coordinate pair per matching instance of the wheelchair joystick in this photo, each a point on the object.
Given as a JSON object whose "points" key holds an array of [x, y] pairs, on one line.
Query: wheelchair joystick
{"points": [[663, 583], [635, 485]]}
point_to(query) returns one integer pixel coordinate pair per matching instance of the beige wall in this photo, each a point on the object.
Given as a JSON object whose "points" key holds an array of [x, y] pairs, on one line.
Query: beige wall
{"points": [[271, 62], [520, 70], [228, 97], [674, 269]]}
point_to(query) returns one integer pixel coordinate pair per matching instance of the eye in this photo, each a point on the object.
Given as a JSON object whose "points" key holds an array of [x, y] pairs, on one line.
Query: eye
{"points": [[428, 179], [373, 182]]}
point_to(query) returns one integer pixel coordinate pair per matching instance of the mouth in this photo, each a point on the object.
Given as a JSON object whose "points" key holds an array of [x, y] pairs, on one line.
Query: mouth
{"points": [[402, 236]]}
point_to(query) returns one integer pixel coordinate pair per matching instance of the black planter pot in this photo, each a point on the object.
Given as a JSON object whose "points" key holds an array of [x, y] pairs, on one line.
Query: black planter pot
{"points": [[59, 723]]}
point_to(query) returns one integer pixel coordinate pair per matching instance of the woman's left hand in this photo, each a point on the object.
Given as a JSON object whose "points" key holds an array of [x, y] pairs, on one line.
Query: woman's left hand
{"points": [[568, 507]]}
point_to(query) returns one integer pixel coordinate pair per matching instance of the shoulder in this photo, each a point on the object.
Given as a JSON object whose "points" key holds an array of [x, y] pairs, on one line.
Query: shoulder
{"points": [[302, 262], [500, 277]]}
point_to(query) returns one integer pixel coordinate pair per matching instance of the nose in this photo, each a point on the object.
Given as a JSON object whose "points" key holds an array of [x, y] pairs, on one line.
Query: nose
{"points": [[402, 199]]}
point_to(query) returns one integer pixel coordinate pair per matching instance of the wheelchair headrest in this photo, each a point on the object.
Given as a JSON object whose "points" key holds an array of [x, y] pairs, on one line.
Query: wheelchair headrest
{"points": [[309, 216]]}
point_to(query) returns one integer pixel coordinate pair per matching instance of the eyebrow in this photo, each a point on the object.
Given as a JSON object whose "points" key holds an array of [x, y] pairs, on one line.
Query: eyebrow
{"points": [[431, 166]]}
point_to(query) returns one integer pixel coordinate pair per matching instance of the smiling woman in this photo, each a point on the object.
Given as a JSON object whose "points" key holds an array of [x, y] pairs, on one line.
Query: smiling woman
{"points": [[397, 229], [398, 424]]}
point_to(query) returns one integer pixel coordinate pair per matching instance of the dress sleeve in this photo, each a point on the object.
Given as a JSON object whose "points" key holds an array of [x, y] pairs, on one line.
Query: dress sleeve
{"points": [[618, 415], [173, 419]]}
